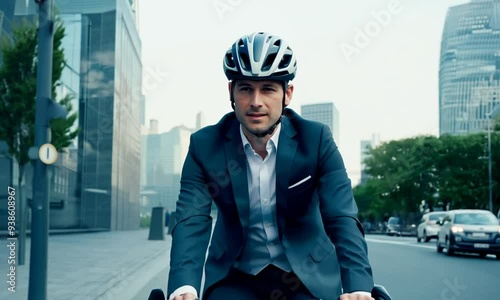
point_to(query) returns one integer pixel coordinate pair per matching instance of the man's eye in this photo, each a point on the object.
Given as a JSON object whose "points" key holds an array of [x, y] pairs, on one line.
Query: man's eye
{"points": [[269, 90], [245, 89]]}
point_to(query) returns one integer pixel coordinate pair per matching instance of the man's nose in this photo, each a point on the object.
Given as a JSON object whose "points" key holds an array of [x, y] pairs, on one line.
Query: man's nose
{"points": [[256, 99]]}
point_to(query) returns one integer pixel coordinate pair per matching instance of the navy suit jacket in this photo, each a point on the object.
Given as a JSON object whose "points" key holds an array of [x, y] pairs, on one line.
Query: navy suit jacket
{"points": [[323, 240]]}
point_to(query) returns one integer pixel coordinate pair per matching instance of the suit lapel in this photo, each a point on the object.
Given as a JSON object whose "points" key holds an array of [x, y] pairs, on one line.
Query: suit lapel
{"points": [[287, 147], [237, 168]]}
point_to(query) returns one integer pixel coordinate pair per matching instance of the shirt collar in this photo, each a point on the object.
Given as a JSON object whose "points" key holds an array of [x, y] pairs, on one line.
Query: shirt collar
{"points": [[274, 138]]}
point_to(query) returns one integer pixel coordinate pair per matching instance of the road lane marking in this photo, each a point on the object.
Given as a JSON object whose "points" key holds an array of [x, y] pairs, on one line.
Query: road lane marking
{"points": [[399, 243]]}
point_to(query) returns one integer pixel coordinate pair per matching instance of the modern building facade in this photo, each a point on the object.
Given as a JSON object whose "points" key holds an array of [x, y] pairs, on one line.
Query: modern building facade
{"points": [[164, 158], [6, 15], [469, 67], [325, 113], [104, 73]]}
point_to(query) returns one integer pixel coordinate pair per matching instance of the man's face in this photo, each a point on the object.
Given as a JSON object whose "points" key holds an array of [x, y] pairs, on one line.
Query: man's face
{"points": [[258, 104]]}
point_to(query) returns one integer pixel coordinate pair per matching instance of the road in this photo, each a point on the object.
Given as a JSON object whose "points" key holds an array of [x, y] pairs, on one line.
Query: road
{"points": [[415, 271]]}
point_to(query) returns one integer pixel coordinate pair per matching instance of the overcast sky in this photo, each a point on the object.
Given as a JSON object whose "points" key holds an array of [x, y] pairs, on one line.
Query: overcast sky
{"points": [[376, 60]]}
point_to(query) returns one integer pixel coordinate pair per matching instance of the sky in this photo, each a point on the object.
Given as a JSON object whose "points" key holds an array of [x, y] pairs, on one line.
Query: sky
{"points": [[376, 60]]}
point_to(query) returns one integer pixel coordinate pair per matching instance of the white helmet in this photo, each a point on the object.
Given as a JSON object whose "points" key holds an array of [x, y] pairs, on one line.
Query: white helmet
{"points": [[260, 56]]}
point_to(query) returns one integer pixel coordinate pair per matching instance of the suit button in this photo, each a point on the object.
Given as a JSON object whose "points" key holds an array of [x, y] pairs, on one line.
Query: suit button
{"points": [[265, 201]]}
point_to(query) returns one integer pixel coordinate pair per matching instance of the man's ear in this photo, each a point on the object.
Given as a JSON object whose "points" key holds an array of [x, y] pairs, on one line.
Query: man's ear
{"points": [[289, 94], [229, 84]]}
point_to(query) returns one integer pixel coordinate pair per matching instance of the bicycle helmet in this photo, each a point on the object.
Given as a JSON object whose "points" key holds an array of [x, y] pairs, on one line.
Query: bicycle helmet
{"points": [[260, 56]]}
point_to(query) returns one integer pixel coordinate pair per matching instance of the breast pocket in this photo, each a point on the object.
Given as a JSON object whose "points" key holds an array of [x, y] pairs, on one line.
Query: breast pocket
{"points": [[301, 184]]}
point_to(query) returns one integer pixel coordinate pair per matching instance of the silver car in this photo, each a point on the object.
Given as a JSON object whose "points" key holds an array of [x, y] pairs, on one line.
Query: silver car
{"points": [[469, 230], [428, 227]]}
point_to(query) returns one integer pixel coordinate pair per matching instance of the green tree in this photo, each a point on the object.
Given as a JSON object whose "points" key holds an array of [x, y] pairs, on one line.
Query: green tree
{"points": [[463, 167], [449, 169], [18, 95], [402, 174]]}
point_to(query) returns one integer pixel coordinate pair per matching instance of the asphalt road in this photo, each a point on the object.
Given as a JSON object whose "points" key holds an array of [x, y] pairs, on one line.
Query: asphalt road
{"points": [[415, 271]]}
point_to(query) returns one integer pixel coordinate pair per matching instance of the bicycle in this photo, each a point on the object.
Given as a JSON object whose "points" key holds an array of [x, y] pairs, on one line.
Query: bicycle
{"points": [[378, 293]]}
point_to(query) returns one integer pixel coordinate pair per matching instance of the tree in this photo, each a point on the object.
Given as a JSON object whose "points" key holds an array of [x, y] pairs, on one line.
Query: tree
{"points": [[402, 174], [18, 98], [449, 169], [18, 93]]}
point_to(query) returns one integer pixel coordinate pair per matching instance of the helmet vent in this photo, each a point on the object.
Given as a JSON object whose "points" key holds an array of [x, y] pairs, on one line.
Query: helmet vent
{"points": [[269, 62], [244, 61], [229, 60], [285, 61]]}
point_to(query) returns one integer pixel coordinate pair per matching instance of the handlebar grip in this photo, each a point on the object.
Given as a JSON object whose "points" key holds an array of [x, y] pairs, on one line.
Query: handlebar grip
{"points": [[380, 293], [156, 294]]}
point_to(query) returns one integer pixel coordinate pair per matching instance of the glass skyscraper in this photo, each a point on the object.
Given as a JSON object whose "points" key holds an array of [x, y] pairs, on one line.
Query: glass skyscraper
{"points": [[469, 67], [101, 184]]}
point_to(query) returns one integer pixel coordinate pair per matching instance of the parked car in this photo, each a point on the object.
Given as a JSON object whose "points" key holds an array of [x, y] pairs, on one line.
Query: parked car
{"points": [[398, 227], [428, 228], [469, 230]]}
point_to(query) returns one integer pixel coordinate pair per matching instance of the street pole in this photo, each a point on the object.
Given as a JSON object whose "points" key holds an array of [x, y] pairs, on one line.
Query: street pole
{"points": [[489, 165], [40, 208]]}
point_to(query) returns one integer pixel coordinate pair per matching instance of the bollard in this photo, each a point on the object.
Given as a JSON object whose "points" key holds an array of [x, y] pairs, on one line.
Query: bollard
{"points": [[157, 226], [171, 223]]}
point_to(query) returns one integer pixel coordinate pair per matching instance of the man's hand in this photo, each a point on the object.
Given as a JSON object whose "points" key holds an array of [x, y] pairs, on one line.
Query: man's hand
{"points": [[188, 296], [355, 297]]}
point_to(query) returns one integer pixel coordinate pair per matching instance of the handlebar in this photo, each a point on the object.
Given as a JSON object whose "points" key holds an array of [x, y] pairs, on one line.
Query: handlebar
{"points": [[378, 293]]}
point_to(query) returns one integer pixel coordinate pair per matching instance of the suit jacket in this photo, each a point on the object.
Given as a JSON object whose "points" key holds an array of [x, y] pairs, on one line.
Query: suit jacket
{"points": [[317, 224]]}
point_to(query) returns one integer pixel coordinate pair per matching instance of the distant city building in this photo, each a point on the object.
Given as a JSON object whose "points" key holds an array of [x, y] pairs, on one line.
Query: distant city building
{"points": [[153, 126], [366, 145], [325, 113], [143, 110], [165, 154], [200, 120], [469, 67]]}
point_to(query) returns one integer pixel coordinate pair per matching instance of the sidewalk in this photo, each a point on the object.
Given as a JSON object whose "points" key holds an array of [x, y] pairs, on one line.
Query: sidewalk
{"points": [[88, 266]]}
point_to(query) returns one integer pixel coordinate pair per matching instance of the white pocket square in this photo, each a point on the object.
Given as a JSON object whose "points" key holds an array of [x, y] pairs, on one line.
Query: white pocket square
{"points": [[300, 182]]}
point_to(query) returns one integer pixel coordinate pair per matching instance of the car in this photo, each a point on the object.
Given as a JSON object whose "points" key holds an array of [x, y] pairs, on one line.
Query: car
{"points": [[471, 231], [428, 228], [393, 226], [398, 227]]}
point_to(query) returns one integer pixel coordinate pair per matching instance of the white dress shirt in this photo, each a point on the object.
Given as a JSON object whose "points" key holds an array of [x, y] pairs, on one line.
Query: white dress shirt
{"points": [[263, 246]]}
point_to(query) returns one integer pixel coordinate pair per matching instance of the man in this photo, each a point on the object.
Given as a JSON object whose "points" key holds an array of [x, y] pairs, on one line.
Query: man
{"points": [[286, 223]]}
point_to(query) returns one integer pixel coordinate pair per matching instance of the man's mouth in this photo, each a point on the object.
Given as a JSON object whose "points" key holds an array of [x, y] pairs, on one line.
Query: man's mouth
{"points": [[255, 115]]}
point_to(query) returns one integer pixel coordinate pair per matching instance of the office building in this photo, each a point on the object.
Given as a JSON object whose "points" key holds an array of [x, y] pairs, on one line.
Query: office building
{"points": [[6, 15], [365, 146], [104, 71], [469, 67], [164, 155], [325, 113]]}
